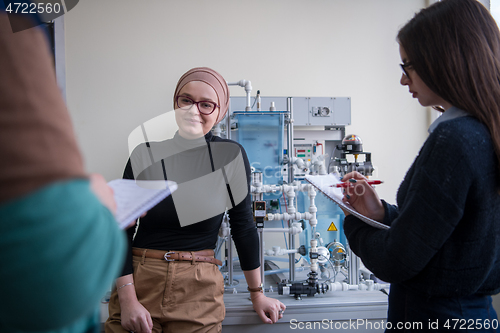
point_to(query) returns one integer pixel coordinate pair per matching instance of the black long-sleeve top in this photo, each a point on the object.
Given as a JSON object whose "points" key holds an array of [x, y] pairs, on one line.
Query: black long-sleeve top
{"points": [[202, 170]]}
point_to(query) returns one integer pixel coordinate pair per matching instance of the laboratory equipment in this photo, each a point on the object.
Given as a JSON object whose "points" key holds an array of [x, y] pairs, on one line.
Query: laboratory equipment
{"points": [[353, 145], [287, 138]]}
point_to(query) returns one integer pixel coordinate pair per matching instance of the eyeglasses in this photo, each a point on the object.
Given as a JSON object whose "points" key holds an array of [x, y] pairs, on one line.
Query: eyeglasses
{"points": [[205, 107], [404, 66]]}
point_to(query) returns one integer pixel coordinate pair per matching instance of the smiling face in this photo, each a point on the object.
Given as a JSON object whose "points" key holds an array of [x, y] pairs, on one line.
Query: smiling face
{"points": [[417, 87], [193, 124]]}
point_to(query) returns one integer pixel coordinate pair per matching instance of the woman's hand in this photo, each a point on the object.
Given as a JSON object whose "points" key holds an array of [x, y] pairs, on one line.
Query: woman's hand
{"points": [[105, 194], [363, 197], [270, 310], [102, 191], [135, 317]]}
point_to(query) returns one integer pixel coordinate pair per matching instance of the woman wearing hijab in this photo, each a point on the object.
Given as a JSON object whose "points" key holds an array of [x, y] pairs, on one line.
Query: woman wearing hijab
{"points": [[171, 281], [442, 252]]}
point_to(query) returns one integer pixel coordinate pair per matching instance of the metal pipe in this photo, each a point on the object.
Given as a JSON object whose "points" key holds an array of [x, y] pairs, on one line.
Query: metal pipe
{"points": [[289, 131], [261, 254], [275, 271], [228, 125], [229, 248], [287, 230], [354, 265]]}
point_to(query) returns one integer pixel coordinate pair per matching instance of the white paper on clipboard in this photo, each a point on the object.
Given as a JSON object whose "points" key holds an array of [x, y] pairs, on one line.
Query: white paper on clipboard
{"points": [[324, 184]]}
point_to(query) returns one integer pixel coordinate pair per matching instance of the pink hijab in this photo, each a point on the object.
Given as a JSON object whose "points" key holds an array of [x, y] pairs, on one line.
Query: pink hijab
{"points": [[213, 79]]}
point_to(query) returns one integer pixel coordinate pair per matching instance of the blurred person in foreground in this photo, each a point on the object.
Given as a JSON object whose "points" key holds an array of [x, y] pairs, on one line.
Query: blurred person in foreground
{"points": [[60, 245]]}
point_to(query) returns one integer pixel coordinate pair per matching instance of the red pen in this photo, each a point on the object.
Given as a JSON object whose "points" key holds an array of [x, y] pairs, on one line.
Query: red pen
{"points": [[351, 182]]}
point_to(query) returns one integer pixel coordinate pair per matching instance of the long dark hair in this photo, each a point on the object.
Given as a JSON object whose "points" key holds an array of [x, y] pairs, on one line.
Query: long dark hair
{"points": [[454, 46]]}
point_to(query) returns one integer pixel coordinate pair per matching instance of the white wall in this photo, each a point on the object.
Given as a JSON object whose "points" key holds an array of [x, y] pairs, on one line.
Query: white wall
{"points": [[124, 58]]}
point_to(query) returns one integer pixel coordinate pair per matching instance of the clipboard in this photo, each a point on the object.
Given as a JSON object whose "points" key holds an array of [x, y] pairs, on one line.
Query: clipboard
{"points": [[324, 184]]}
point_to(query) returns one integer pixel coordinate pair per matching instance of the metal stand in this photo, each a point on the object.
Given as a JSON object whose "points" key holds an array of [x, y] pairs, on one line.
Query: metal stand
{"points": [[229, 282], [354, 265]]}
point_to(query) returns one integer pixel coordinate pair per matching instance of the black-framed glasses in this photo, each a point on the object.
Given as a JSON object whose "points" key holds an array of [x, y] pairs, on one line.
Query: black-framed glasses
{"points": [[404, 66], [205, 107]]}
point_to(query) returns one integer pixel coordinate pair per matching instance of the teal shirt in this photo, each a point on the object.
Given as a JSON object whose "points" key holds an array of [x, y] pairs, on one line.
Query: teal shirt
{"points": [[60, 250]]}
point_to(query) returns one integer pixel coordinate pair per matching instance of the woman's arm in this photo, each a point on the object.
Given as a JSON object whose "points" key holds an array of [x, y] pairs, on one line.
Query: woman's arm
{"points": [[134, 316], [246, 241], [431, 204], [267, 308]]}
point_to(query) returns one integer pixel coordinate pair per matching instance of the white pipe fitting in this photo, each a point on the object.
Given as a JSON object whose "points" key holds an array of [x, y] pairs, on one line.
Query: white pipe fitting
{"points": [[314, 249], [271, 188], [303, 187], [287, 217], [248, 89], [278, 251], [367, 285], [319, 164], [257, 188], [312, 207], [276, 217], [303, 166], [339, 286], [312, 193], [292, 230], [290, 194]]}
